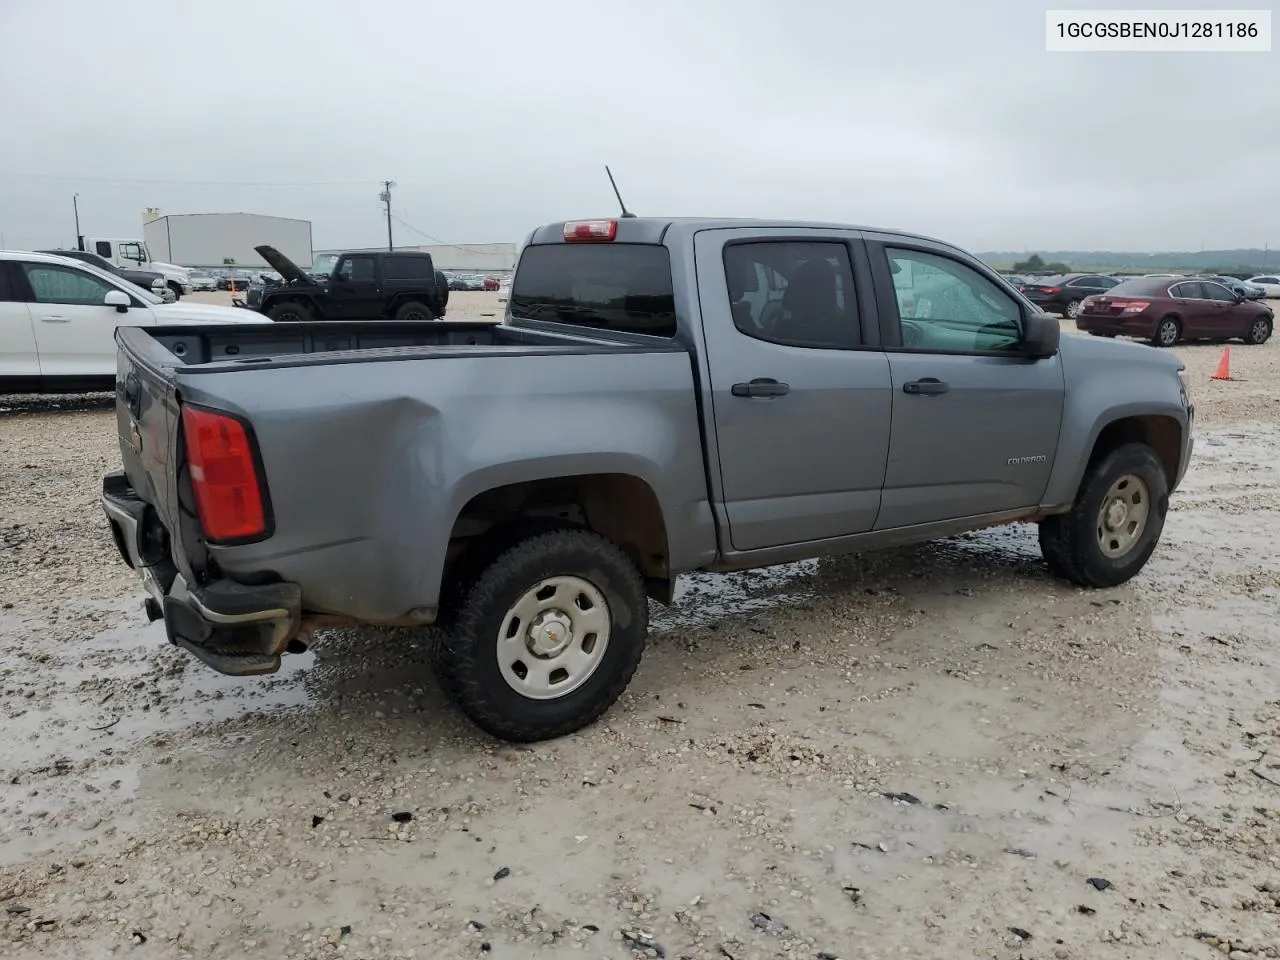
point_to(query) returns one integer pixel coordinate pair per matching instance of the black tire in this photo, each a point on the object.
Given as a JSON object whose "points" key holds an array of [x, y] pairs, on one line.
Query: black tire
{"points": [[291, 312], [176, 288], [413, 312], [1168, 332], [1070, 542], [1259, 332], [1072, 309], [465, 652]]}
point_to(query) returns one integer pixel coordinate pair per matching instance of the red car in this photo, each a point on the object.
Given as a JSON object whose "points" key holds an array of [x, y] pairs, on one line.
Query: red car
{"points": [[1165, 310]]}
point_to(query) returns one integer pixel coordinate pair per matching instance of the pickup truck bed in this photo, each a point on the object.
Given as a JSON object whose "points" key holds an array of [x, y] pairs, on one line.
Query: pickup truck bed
{"points": [[361, 524], [662, 396]]}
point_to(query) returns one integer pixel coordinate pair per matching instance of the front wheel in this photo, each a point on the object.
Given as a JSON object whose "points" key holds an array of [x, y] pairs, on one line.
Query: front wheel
{"points": [[1116, 522], [176, 287], [546, 638], [290, 313], [1167, 332], [1259, 332]]}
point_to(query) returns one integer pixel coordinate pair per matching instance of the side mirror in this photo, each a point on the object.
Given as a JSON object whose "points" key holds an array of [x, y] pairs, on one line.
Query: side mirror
{"points": [[1040, 336], [118, 299]]}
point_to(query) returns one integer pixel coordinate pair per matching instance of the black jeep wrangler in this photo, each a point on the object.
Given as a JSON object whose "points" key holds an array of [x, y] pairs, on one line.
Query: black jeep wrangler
{"points": [[362, 285]]}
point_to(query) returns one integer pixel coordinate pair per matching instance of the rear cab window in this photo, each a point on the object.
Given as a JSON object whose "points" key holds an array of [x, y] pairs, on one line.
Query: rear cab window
{"points": [[408, 268], [604, 286]]}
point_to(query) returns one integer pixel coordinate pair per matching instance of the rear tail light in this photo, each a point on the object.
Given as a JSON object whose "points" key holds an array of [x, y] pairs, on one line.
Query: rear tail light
{"points": [[590, 230], [1132, 306], [230, 497], [1050, 290]]}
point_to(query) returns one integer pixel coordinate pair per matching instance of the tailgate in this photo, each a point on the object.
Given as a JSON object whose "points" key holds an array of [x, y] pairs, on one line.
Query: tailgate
{"points": [[147, 421]]}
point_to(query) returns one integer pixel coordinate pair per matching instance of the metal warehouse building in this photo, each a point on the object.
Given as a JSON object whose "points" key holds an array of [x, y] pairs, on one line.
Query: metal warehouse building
{"points": [[224, 239], [461, 257]]}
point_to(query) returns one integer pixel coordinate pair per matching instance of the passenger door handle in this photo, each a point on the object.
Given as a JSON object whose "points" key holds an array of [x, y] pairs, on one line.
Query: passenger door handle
{"points": [[761, 387], [55, 319], [929, 386]]}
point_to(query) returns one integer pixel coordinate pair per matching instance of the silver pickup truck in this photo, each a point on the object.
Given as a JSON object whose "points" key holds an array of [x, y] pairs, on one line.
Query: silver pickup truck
{"points": [[661, 396]]}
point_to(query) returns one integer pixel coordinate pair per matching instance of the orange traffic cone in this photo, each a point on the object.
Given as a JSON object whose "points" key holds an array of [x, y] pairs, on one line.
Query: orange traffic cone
{"points": [[1224, 366]]}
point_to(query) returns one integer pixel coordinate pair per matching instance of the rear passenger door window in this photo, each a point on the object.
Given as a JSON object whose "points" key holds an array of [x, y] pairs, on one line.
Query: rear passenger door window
{"points": [[1186, 291], [794, 293], [407, 268], [947, 306]]}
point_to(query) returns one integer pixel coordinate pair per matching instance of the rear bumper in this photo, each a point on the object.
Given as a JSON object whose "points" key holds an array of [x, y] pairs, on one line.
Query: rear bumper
{"points": [[235, 628], [1144, 327]]}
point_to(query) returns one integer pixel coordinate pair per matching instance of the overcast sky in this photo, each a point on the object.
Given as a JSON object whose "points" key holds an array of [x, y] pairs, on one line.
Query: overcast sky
{"points": [[939, 116]]}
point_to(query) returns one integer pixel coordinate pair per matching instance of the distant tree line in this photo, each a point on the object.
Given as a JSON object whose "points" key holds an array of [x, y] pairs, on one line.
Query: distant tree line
{"points": [[1243, 262]]}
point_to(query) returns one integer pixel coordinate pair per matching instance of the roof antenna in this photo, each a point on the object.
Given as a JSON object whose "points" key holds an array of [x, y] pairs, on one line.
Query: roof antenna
{"points": [[625, 212]]}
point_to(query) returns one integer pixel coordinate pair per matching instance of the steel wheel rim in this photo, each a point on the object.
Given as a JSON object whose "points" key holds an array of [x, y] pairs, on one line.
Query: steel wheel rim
{"points": [[1123, 516], [553, 639], [1260, 330], [1168, 333]]}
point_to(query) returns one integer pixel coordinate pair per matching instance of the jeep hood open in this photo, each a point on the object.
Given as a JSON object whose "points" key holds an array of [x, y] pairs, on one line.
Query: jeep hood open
{"points": [[282, 265]]}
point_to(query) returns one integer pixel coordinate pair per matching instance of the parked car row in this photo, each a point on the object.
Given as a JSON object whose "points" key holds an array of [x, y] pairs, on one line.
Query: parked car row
{"points": [[1065, 293], [473, 281]]}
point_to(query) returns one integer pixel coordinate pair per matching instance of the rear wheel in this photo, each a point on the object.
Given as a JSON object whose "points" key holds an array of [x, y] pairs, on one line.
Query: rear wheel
{"points": [[1259, 332], [1168, 331], [290, 313], [414, 312], [1116, 522], [546, 638], [1073, 309]]}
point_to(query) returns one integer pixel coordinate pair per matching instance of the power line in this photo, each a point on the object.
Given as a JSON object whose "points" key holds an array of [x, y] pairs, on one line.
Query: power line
{"points": [[443, 243]]}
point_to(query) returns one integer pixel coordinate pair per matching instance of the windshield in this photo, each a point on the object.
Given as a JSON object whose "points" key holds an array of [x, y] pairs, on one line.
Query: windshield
{"points": [[323, 264]]}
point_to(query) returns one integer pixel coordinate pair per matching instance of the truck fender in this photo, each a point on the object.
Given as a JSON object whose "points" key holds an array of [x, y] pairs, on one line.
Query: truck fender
{"points": [[1162, 425], [620, 496]]}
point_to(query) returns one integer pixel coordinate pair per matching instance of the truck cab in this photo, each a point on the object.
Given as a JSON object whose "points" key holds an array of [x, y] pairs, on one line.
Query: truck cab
{"points": [[132, 254]]}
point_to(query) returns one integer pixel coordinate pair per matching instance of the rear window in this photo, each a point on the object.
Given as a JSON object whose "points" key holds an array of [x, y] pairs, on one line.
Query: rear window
{"points": [[607, 286], [407, 268], [1139, 287]]}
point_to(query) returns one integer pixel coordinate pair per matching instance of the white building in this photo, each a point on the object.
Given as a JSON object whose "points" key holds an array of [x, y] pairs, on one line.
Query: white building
{"points": [[224, 239]]}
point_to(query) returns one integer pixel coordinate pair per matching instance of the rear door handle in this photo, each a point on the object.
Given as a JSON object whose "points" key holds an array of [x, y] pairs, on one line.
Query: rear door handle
{"points": [[927, 386], [55, 319], [761, 387]]}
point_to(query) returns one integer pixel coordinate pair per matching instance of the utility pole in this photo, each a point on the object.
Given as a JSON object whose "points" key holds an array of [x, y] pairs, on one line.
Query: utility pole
{"points": [[75, 205], [385, 197]]}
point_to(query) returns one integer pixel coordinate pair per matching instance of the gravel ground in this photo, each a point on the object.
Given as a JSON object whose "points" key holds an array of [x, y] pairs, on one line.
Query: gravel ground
{"points": [[932, 752]]}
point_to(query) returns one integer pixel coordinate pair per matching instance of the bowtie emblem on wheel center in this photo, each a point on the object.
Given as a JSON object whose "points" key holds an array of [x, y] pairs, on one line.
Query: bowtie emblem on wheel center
{"points": [[549, 633]]}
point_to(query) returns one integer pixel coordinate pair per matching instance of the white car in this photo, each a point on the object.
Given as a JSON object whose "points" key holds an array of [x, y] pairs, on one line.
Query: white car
{"points": [[1270, 284], [58, 319], [202, 281]]}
